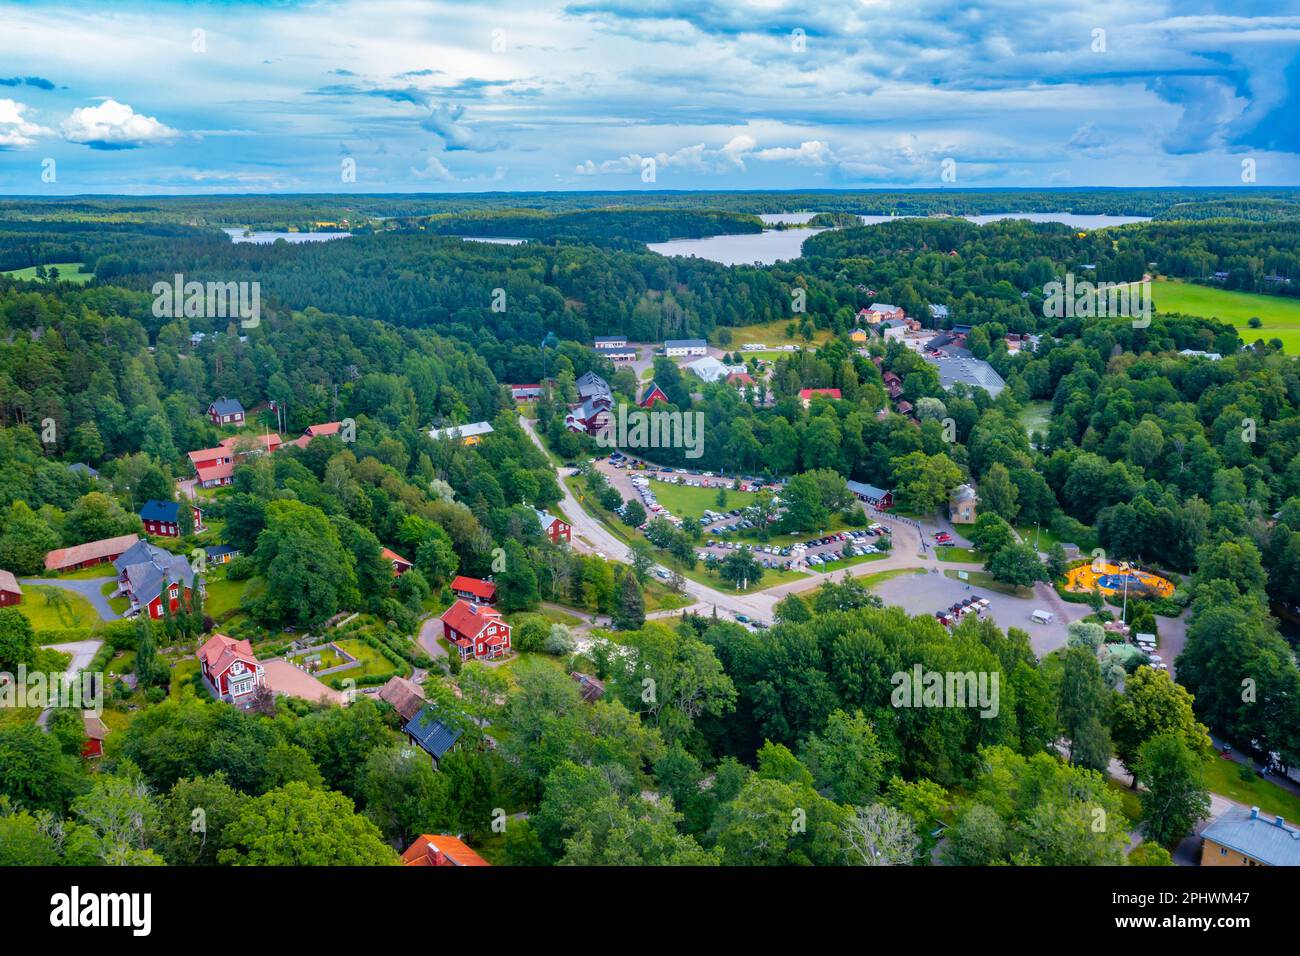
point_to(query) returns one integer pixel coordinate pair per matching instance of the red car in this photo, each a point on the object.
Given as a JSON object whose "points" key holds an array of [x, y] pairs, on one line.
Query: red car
{"points": [[943, 537]]}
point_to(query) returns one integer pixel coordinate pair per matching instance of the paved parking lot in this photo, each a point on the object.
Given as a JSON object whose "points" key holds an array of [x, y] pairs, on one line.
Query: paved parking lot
{"points": [[926, 592], [788, 556]]}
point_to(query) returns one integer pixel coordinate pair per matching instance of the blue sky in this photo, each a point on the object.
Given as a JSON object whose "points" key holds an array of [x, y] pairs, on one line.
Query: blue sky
{"points": [[429, 96]]}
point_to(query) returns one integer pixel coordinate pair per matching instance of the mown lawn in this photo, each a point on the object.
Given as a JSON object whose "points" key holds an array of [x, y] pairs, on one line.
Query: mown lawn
{"points": [[372, 662], [982, 579], [687, 502], [224, 596], [966, 555], [50, 608], [1221, 777], [182, 671], [85, 574], [766, 333], [1279, 317]]}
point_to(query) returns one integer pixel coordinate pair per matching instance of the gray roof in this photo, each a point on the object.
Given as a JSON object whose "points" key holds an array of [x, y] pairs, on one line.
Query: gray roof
{"points": [[686, 344], [81, 468], [591, 385], [961, 366], [870, 491], [1267, 839], [464, 431], [963, 493], [227, 406], [147, 567]]}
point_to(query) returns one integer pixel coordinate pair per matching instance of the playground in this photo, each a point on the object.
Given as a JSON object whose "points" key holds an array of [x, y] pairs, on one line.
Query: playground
{"points": [[1111, 579]]}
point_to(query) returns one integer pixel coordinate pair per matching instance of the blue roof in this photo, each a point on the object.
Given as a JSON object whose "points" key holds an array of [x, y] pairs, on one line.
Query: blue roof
{"points": [[1267, 839], [227, 406], [81, 468], [155, 510], [216, 550], [431, 733]]}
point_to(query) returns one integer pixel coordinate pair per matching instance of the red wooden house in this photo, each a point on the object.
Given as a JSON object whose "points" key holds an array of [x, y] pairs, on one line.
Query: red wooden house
{"points": [[400, 564], [476, 631], [226, 411], [440, 849], [162, 518], [554, 528], [96, 730], [231, 669], [474, 590], [10, 591]]}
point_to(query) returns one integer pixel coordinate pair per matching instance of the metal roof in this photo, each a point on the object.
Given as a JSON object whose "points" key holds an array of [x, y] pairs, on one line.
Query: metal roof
{"points": [[435, 737]]}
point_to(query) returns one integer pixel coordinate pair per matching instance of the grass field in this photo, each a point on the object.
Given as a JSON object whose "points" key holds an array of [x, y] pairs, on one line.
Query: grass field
{"points": [[960, 555], [766, 333], [86, 574], [1035, 417], [75, 611], [372, 662], [1221, 777], [982, 579], [1280, 316], [68, 272], [687, 502], [225, 596]]}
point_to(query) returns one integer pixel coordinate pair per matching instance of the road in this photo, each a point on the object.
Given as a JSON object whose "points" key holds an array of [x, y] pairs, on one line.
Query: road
{"points": [[89, 588], [910, 551]]}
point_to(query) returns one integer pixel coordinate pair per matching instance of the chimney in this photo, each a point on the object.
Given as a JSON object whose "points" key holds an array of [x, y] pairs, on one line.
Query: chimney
{"points": [[1254, 813], [1280, 822], [435, 856]]}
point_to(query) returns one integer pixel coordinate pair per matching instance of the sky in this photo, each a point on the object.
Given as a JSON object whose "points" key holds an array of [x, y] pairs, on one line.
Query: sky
{"points": [[167, 97]]}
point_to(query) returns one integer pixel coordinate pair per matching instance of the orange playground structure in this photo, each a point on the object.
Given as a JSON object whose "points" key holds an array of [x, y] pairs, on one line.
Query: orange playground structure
{"points": [[1110, 578]]}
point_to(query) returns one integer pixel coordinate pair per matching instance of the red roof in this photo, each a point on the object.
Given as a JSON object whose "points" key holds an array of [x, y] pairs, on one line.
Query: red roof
{"points": [[219, 652], [90, 551], [209, 454], [475, 586], [9, 583], [469, 619], [391, 555], [441, 850], [810, 392], [743, 377], [225, 469], [328, 428]]}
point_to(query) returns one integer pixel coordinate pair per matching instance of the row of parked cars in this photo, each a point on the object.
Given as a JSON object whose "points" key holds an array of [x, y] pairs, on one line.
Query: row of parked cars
{"points": [[972, 605]]}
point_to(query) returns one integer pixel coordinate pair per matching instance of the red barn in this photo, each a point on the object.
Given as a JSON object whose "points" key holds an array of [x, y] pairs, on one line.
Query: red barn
{"points": [[89, 554], [10, 592], [474, 590], [651, 396], [231, 670], [476, 631]]}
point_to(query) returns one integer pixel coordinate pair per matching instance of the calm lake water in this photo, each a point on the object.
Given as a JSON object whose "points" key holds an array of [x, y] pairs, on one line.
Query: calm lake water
{"points": [[765, 248], [494, 240], [266, 238]]}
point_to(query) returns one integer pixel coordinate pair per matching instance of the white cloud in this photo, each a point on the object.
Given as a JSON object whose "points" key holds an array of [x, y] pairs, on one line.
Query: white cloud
{"points": [[433, 169], [16, 132], [812, 153], [114, 125]]}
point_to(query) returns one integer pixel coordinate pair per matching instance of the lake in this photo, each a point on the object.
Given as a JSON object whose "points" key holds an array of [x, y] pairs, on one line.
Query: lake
{"points": [[765, 248], [266, 238], [1069, 218], [494, 240]]}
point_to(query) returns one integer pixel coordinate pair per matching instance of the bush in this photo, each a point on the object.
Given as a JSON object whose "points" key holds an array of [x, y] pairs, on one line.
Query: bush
{"points": [[241, 568]]}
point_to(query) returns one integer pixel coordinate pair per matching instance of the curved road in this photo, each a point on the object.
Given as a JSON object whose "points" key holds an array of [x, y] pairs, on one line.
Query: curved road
{"points": [[89, 588], [590, 534]]}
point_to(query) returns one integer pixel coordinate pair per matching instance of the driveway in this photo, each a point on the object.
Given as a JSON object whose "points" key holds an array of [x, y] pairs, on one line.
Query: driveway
{"points": [[86, 587], [430, 631], [284, 678]]}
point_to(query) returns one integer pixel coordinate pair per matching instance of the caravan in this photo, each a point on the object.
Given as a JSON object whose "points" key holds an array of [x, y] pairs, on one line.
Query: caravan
{"points": [[1042, 617]]}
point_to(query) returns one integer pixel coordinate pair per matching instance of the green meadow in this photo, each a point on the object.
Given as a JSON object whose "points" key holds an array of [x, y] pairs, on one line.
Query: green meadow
{"points": [[1279, 317]]}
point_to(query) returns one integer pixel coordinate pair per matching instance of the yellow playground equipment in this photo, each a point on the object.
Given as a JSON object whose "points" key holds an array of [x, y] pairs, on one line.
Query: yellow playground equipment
{"points": [[1110, 578]]}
